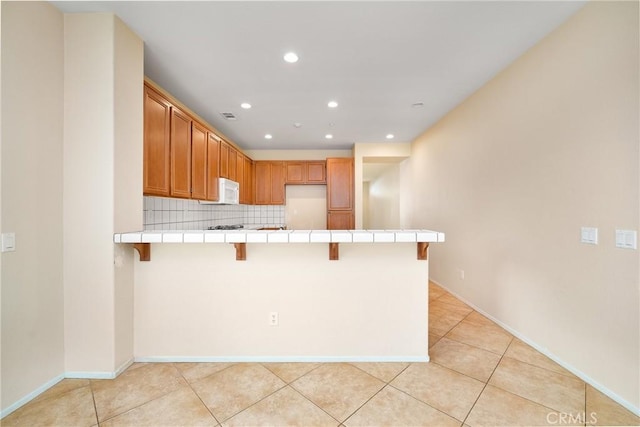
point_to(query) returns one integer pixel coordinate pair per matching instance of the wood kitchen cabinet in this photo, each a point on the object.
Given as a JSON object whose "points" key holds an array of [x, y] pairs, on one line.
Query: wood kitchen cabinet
{"points": [[228, 161], [157, 155], [198, 161], [317, 172], [340, 220], [213, 166], [249, 179], [269, 177], [240, 169], [305, 172], [340, 194], [224, 160], [244, 173], [184, 158], [232, 160], [180, 154], [240, 176]]}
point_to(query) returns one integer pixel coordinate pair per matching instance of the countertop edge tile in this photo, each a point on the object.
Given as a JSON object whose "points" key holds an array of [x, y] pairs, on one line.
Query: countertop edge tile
{"points": [[250, 235], [172, 237], [193, 237], [214, 237], [257, 237], [131, 237], [151, 237]]}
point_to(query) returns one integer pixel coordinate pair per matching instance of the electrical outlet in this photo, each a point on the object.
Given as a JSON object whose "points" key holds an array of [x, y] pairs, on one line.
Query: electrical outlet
{"points": [[273, 318], [461, 273]]}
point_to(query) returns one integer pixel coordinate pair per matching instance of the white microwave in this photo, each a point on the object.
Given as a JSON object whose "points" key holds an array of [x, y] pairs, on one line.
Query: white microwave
{"points": [[228, 193]]}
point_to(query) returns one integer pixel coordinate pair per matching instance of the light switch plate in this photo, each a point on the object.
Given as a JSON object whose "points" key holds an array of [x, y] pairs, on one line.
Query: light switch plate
{"points": [[8, 242], [627, 239], [589, 235]]}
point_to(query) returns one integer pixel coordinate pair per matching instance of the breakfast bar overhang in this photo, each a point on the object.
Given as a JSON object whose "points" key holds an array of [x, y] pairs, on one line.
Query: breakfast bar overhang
{"points": [[194, 302]]}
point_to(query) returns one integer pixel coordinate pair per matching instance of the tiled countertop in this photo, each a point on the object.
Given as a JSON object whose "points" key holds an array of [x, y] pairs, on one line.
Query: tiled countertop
{"points": [[280, 236]]}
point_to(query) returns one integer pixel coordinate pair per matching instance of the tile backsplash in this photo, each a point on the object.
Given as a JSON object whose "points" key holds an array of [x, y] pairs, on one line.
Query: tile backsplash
{"points": [[162, 213]]}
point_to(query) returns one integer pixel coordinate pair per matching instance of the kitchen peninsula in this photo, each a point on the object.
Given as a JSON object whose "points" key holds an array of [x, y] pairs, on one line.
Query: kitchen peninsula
{"points": [[282, 295], [297, 295]]}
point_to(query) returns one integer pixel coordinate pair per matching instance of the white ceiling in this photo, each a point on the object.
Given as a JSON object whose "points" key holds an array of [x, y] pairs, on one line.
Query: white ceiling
{"points": [[375, 59]]}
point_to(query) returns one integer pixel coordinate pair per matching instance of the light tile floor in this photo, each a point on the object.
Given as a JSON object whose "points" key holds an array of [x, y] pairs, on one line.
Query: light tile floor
{"points": [[479, 375]]}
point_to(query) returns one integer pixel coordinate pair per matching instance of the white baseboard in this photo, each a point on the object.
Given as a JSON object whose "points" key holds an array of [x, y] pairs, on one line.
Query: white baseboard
{"points": [[98, 375], [584, 377], [280, 359], [29, 397], [72, 374]]}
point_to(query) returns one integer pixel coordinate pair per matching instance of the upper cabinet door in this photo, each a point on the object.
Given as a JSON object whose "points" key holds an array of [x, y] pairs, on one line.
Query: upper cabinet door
{"points": [[316, 172], [295, 173], [339, 184], [213, 167], [157, 125], [240, 177], [198, 161], [249, 181], [305, 172], [263, 182], [180, 154], [224, 160], [277, 183], [269, 182], [232, 161]]}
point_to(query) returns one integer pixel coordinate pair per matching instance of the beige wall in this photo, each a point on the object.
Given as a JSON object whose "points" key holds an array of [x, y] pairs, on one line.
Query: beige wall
{"points": [[391, 152], [31, 199], [550, 145], [195, 302], [365, 205], [103, 60], [128, 202], [384, 199], [306, 207]]}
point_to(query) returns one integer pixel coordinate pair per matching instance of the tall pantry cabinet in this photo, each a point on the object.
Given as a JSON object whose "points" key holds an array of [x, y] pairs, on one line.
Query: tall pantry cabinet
{"points": [[340, 194]]}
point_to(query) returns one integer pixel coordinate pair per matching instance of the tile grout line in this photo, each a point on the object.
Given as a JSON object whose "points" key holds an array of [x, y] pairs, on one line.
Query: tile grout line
{"points": [[386, 383], [141, 404], [486, 384], [585, 403], [260, 400], [312, 402], [196, 393], [93, 397], [367, 401], [510, 392], [423, 402], [286, 384], [504, 354], [525, 398]]}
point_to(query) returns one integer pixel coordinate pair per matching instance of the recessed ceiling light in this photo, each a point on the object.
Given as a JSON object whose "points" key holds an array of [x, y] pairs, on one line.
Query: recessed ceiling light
{"points": [[245, 105], [389, 136], [268, 136], [291, 57], [297, 125], [332, 104], [328, 136]]}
